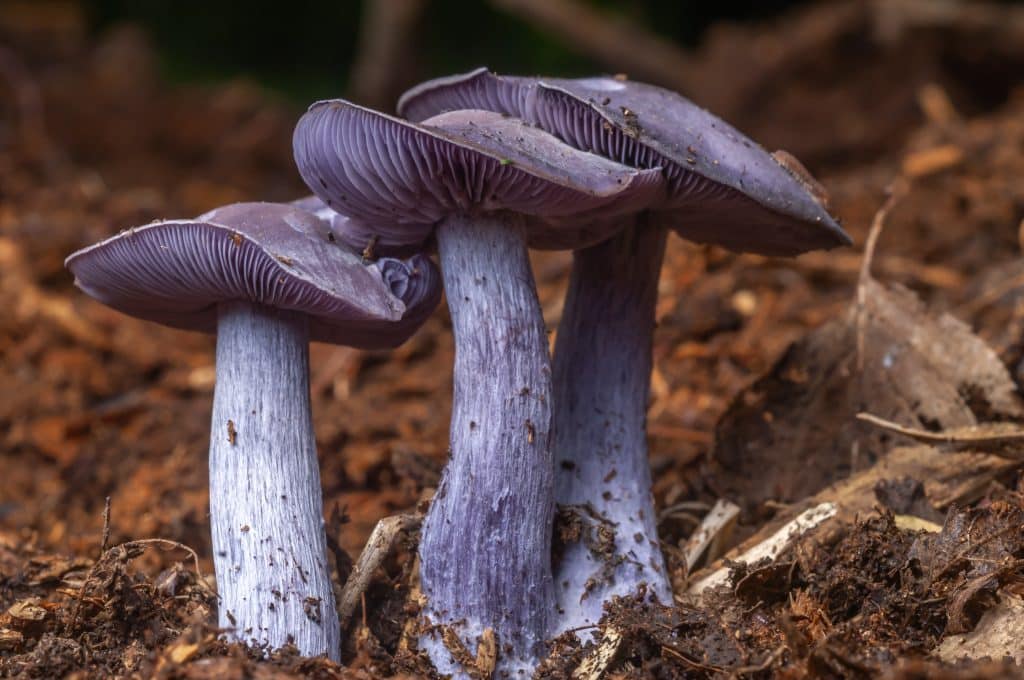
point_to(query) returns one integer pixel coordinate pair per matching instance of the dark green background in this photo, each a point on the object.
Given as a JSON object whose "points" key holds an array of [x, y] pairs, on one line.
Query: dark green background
{"points": [[305, 47]]}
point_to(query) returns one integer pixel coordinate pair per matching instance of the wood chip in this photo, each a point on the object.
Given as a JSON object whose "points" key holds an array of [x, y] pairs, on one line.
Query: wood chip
{"points": [[912, 523], [948, 478], [936, 104], [596, 663], [29, 609], [487, 653], [772, 546], [713, 532], [182, 652], [932, 161]]}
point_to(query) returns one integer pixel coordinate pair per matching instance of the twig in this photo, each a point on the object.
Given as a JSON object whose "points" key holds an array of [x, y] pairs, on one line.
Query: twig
{"points": [[125, 549], [896, 191], [670, 511], [378, 546], [106, 526], [763, 666], [1000, 439], [715, 527], [577, 629], [692, 663], [168, 543]]}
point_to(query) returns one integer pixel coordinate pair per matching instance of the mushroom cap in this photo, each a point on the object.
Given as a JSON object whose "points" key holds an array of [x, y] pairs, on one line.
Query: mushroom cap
{"points": [[396, 180], [722, 187], [176, 272], [478, 89]]}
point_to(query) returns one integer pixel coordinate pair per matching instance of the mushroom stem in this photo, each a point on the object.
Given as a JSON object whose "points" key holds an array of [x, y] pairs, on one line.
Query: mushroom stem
{"points": [[486, 541], [266, 506], [602, 369]]}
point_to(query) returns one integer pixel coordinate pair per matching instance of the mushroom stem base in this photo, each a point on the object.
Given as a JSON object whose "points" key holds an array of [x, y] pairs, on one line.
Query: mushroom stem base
{"points": [[602, 368], [266, 507], [486, 542]]}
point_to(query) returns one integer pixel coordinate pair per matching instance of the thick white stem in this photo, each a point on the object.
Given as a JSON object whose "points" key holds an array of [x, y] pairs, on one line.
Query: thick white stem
{"points": [[485, 548], [602, 369], [266, 507]]}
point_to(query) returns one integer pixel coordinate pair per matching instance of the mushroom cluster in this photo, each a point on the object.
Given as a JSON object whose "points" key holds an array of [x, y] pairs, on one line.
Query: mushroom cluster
{"points": [[488, 166], [720, 188], [481, 168], [485, 186]]}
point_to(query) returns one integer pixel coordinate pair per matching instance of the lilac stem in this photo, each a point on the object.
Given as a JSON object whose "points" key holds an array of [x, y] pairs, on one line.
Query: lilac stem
{"points": [[266, 506], [486, 542], [602, 369]]}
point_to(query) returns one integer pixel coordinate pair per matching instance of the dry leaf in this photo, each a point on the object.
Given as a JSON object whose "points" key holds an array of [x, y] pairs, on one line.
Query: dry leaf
{"points": [[999, 633], [795, 431]]}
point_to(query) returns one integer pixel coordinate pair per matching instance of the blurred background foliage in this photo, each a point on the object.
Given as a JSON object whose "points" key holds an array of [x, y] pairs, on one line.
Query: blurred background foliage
{"points": [[309, 50], [776, 69]]}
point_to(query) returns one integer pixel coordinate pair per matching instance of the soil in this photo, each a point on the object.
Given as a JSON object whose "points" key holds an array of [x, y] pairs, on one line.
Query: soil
{"points": [[762, 366]]}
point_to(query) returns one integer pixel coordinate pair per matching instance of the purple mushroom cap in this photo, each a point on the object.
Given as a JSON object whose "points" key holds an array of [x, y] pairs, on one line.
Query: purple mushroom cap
{"points": [[723, 188], [403, 178], [176, 272]]}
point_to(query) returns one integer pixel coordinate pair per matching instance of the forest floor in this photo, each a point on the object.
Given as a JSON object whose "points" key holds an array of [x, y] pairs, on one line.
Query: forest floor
{"points": [[903, 555]]}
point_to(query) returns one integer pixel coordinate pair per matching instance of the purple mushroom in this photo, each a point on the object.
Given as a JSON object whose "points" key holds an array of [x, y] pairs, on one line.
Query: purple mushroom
{"points": [[485, 186], [266, 278], [722, 188]]}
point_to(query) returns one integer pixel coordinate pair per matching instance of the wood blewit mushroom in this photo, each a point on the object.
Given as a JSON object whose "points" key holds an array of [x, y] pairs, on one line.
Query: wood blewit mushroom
{"points": [[723, 189], [266, 279], [486, 186]]}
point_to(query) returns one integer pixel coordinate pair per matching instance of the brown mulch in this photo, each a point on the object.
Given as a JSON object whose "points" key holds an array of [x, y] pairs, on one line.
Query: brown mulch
{"points": [[95, 405]]}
